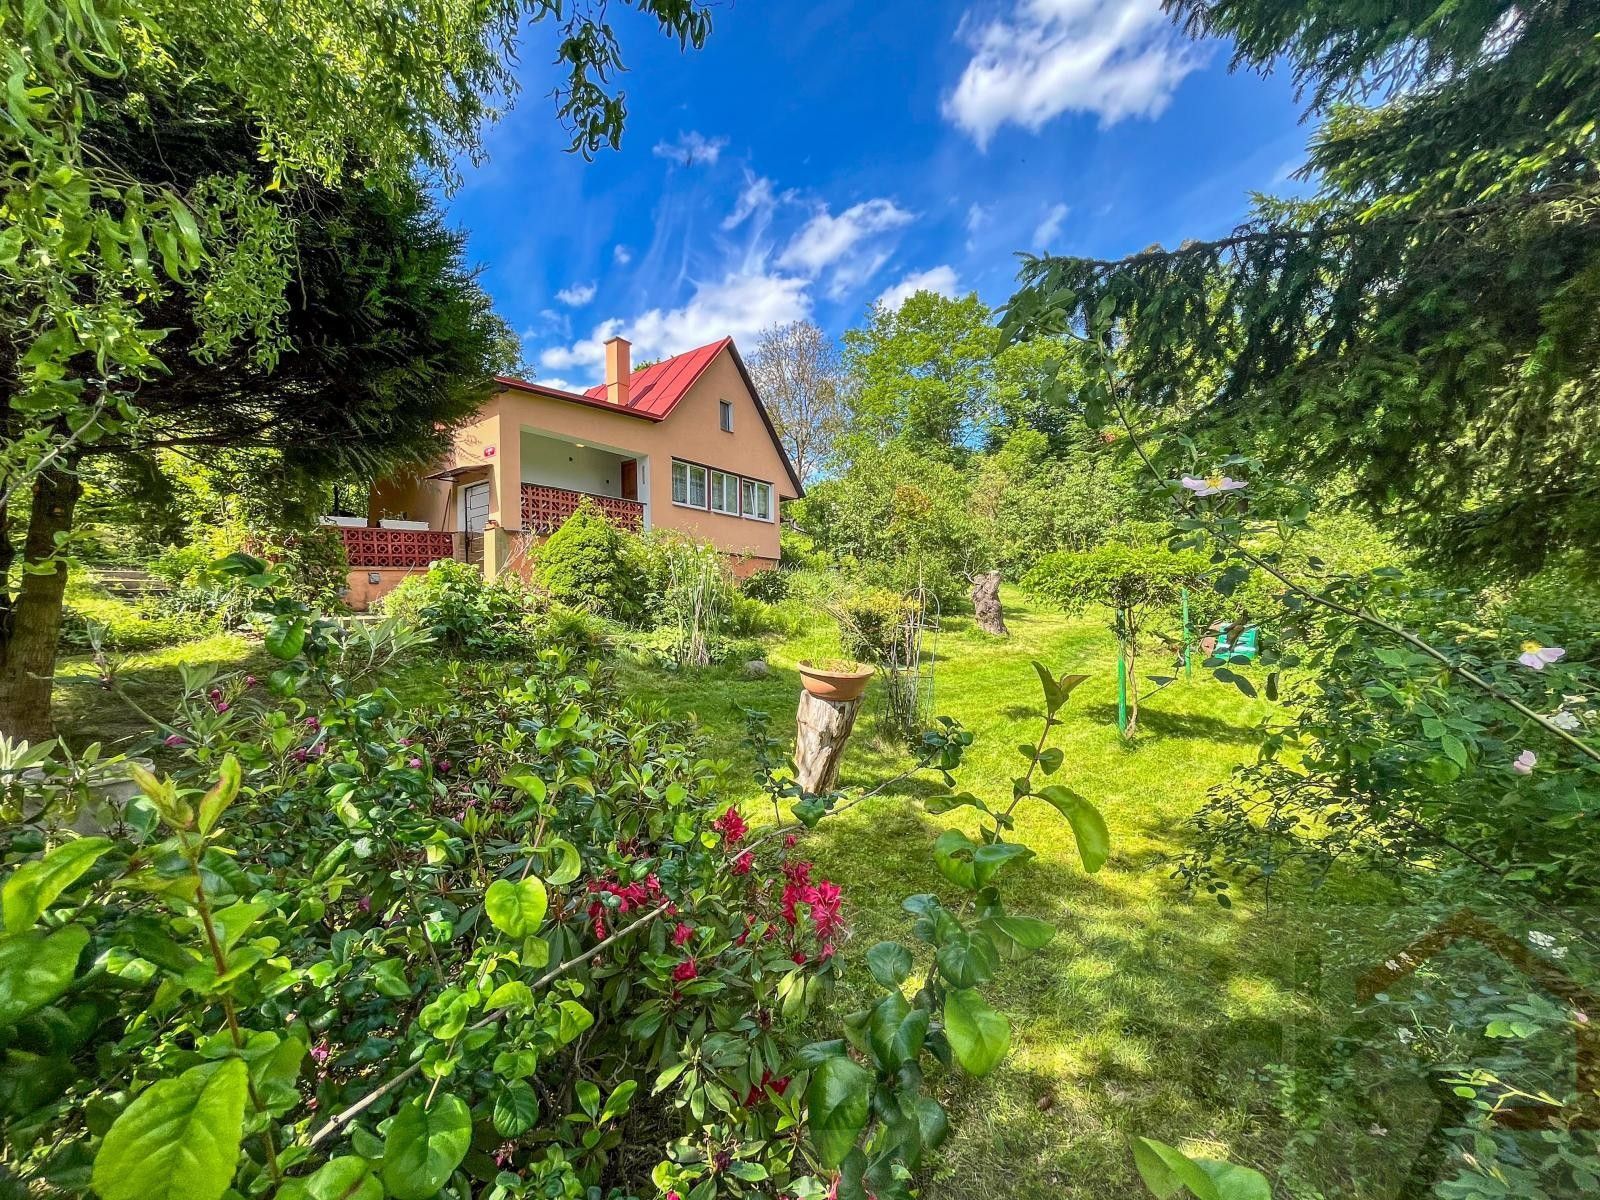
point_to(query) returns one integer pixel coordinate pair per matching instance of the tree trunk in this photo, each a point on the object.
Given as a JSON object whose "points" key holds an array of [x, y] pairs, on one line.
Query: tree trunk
{"points": [[986, 603], [29, 632], [1133, 689], [822, 727]]}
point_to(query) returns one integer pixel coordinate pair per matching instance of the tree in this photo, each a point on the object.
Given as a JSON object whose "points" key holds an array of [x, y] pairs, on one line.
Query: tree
{"points": [[1139, 584], [1424, 326], [921, 374], [98, 252], [796, 370]]}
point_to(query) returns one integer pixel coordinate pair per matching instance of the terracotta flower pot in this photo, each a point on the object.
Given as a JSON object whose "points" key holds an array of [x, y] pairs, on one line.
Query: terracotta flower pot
{"points": [[839, 686]]}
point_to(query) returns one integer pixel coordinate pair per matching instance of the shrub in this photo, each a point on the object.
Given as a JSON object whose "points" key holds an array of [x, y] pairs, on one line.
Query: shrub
{"points": [[359, 943], [463, 613], [123, 624], [590, 563], [875, 624], [691, 593], [767, 586]]}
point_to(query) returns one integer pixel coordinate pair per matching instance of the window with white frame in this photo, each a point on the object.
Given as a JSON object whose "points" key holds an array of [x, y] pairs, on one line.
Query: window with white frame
{"points": [[688, 484], [724, 493], [756, 503]]}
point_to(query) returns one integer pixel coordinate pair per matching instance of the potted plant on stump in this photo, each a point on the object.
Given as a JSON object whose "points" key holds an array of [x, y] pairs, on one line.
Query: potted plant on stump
{"points": [[829, 700]]}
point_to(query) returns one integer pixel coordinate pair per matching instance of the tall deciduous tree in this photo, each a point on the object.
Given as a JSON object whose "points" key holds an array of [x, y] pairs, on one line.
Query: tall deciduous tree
{"points": [[94, 253], [796, 369], [921, 374], [1423, 326]]}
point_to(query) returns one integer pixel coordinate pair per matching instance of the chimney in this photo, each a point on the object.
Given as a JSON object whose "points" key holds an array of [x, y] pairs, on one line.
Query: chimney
{"points": [[618, 367]]}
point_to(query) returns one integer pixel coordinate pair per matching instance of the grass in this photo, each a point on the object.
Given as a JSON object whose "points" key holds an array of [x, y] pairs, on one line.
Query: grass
{"points": [[1149, 1013], [1148, 1009]]}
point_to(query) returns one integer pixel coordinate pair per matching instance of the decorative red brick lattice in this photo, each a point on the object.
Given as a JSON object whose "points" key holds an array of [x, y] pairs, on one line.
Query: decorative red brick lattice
{"points": [[395, 547], [545, 508]]}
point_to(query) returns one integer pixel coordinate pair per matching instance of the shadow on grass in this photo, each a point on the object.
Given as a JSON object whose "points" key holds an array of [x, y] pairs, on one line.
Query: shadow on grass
{"points": [[1155, 721]]}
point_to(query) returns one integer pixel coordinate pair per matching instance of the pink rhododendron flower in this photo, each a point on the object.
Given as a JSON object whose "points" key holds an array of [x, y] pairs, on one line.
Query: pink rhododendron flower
{"points": [[443, 764], [250, 681], [313, 723], [1524, 763], [175, 739], [1539, 657], [1211, 485], [789, 840], [731, 826], [742, 864], [415, 764], [686, 970], [682, 933]]}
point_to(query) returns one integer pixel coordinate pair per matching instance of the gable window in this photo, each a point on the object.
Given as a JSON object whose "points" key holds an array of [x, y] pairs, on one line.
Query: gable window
{"points": [[726, 409], [688, 484], [756, 501], [724, 493]]}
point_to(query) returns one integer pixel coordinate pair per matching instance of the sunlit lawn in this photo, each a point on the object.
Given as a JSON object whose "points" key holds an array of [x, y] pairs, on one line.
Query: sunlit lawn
{"points": [[1149, 1013]]}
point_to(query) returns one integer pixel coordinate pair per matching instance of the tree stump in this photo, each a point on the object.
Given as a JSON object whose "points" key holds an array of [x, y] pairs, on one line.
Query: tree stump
{"points": [[986, 603], [822, 727]]}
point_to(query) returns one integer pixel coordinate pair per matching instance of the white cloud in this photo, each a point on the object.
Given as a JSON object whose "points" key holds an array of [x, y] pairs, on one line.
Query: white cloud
{"points": [[1113, 58], [692, 149], [740, 303], [621, 255], [840, 245], [1050, 228], [977, 217], [577, 295], [756, 199], [941, 279]]}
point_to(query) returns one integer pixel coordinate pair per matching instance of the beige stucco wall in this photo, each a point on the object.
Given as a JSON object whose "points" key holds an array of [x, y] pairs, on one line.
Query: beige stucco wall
{"points": [[692, 433]]}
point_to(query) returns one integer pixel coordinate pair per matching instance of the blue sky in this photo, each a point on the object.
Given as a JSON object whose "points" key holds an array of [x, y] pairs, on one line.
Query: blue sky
{"points": [[814, 159]]}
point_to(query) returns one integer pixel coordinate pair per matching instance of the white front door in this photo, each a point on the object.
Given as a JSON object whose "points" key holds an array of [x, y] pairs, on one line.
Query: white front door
{"points": [[475, 507]]}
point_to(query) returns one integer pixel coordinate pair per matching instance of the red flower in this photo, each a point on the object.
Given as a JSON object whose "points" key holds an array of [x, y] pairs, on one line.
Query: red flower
{"points": [[789, 840], [686, 970], [742, 864], [798, 958], [682, 933], [731, 826]]}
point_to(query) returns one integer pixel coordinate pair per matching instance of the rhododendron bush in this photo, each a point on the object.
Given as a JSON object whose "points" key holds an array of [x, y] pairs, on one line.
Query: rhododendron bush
{"points": [[332, 946]]}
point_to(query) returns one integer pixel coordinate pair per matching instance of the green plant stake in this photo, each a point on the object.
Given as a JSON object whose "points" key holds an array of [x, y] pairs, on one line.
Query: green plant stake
{"points": [[1122, 690], [1188, 640]]}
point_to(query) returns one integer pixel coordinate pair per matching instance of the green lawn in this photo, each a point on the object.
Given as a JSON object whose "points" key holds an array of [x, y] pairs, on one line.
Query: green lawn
{"points": [[1150, 1013]]}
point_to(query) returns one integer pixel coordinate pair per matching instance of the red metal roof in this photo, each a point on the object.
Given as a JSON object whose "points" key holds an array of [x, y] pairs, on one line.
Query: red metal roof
{"points": [[653, 391]]}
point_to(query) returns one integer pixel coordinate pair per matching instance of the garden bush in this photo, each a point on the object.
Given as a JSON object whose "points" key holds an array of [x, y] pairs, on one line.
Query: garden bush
{"points": [[767, 586], [122, 625], [463, 613], [874, 623], [509, 945], [590, 563]]}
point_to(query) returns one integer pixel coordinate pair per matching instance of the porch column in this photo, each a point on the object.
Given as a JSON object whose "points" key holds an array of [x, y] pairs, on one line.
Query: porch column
{"points": [[505, 474]]}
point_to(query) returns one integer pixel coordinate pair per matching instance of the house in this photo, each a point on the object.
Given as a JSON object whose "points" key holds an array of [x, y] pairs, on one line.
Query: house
{"points": [[684, 443]]}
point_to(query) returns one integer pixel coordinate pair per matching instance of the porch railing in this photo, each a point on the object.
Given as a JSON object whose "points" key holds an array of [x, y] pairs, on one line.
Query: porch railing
{"points": [[545, 508], [410, 548]]}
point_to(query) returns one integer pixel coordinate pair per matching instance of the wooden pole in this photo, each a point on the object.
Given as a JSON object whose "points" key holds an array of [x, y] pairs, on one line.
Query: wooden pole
{"points": [[822, 727]]}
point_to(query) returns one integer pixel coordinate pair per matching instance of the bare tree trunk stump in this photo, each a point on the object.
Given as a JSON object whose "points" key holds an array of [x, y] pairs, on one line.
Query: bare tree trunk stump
{"points": [[822, 727], [986, 603]]}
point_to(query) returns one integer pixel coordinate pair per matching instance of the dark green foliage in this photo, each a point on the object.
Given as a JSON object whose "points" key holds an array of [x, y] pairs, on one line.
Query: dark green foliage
{"points": [[769, 587], [876, 625], [463, 614], [1422, 332], [590, 563]]}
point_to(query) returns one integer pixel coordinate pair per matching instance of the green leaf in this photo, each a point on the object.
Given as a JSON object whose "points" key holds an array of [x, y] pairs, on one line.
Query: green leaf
{"points": [[988, 860], [34, 886], [344, 1178], [1056, 690], [178, 1140], [1167, 1172], [423, 1146], [617, 1103], [837, 1100], [37, 967], [286, 637], [569, 863], [895, 1031], [589, 1097], [1088, 826], [967, 959], [1024, 934], [979, 1036], [389, 978], [1050, 760], [516, 1109], [890, 963], [215, 802], [516, 909]]}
